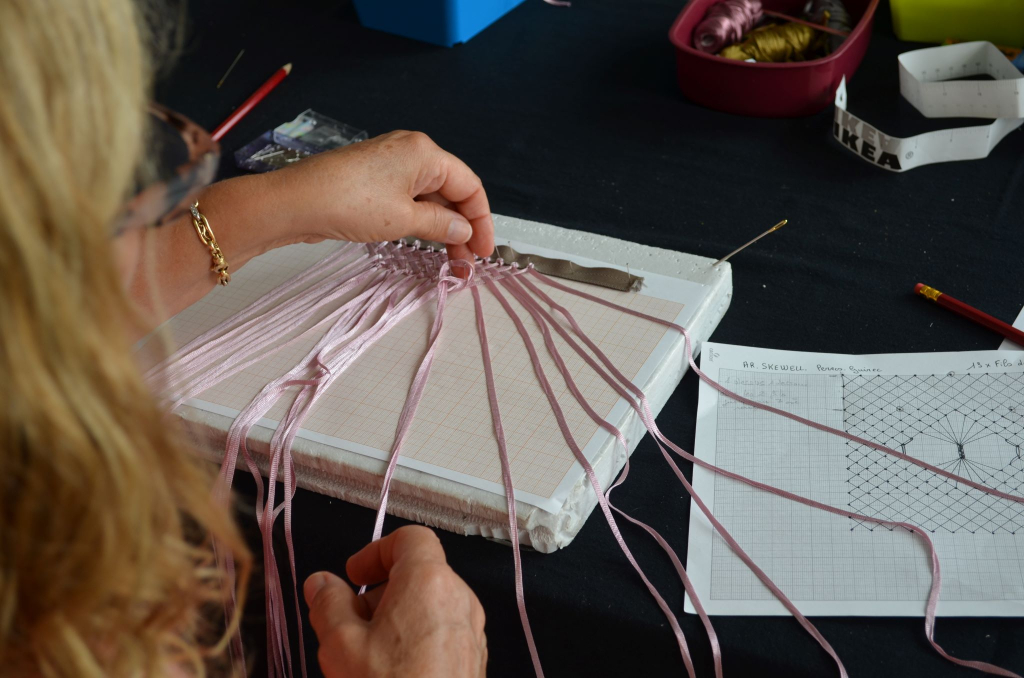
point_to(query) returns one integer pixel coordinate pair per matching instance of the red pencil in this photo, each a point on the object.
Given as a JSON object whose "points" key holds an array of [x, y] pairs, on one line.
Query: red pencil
{"points": [[971, 313], [249, 103]]}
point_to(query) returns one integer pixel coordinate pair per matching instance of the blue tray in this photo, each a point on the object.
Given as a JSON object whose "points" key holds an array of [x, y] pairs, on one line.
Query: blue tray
{"points": [[440, 22]]}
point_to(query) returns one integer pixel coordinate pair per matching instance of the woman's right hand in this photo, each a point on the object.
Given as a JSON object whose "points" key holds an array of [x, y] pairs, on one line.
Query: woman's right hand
{"points": [[392, 186], [422, 620]]}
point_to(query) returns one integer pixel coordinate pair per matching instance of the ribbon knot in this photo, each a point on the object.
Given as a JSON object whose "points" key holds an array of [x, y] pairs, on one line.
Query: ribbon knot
{"points": [[454, 282]]}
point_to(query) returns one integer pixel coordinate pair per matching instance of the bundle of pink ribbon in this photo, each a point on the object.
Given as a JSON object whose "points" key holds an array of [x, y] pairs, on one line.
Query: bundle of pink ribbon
{"points": [[365, 293]]}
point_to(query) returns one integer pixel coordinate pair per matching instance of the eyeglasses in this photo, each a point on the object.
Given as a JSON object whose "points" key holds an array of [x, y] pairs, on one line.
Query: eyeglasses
{"points": [[171, 194]]}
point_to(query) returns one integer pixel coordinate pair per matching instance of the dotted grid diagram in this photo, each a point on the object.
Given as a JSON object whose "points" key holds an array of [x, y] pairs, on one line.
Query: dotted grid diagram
{"points": [[453, 427], [817, 556], [971, 425]]}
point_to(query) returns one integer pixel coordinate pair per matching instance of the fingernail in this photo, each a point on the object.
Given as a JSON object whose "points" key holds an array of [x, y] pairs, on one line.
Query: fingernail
{"points": [[459, 230], [313, 584]]}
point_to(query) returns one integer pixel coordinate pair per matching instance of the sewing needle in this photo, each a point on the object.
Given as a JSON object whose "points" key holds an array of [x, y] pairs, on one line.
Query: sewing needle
{"points": [[230, 68], [745, 246]]}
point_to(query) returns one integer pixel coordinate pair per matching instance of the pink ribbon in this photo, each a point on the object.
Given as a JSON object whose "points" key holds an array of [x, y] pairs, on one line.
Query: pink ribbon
{"points": [[506, 479], [329, 361], [447, 283], [543, 319], [392, 281], [591, 475], [389, 279], [648, 419]]}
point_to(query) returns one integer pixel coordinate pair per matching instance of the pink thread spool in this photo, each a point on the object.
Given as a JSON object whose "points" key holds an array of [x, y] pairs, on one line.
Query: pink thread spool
{"points": [[725, 24]]}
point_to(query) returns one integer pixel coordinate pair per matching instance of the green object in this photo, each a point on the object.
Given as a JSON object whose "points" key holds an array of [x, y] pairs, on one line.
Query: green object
{"points": [[998, 21]]}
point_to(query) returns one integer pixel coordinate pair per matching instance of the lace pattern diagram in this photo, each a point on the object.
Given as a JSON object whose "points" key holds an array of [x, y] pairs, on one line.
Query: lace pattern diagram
{"points": [[969, 424]]}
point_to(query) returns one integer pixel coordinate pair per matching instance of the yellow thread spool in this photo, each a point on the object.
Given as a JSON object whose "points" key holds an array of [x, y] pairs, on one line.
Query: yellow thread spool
{"points": [[776, 43]]}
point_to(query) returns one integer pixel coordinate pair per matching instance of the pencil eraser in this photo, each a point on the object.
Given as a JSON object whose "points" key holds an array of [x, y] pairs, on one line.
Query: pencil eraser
{"points": [[918, 287]]}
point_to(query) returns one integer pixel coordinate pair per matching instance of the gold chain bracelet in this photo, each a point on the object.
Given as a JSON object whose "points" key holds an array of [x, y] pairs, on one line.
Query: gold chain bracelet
{"points": [[220, 267]]}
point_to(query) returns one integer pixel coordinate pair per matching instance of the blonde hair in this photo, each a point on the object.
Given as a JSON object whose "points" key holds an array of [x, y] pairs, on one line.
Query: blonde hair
{"points": [[106, 518]]}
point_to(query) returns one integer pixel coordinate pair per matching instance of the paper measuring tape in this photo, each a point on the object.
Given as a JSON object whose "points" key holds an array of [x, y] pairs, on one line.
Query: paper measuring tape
{"points": [[927, 82]]}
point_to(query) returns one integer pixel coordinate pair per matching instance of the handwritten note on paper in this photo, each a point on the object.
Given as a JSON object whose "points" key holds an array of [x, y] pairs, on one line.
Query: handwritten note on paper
{"points": [[963, 412]]}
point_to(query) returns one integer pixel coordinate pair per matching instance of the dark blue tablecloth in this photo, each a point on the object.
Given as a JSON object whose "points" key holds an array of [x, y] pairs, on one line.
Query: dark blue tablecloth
{"points": [[573, 117]]}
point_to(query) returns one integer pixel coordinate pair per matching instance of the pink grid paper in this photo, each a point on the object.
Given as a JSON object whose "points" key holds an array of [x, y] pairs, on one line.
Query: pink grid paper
{"points": [[453, 427]]}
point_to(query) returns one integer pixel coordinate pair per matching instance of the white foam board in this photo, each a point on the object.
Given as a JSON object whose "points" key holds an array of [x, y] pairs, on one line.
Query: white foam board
{"points": [[444, 503]]}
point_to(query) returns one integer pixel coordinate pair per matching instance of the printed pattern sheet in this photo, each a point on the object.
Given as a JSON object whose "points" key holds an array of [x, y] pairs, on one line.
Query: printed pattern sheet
{"points": [[962, 412], [452, 435]]}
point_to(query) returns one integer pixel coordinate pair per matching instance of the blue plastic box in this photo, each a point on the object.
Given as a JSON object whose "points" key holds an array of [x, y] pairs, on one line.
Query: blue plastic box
{"points": [[441, 22]]}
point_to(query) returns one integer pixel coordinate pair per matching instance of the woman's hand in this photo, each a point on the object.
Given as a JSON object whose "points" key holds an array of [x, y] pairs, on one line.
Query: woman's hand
{"points": [[392, 186], [421, 621], [396, 185]]}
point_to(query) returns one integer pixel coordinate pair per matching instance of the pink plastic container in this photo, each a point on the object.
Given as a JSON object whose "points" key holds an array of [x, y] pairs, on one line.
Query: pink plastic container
{"points": [[767, 90]]}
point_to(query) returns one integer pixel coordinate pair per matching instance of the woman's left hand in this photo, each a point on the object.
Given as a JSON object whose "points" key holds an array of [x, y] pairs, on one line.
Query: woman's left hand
{"points": [[392, 186]]}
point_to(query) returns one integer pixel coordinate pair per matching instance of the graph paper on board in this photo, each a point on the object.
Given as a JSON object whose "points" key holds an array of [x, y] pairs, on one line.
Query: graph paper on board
{"points": [[452, 434], [963, 412]]}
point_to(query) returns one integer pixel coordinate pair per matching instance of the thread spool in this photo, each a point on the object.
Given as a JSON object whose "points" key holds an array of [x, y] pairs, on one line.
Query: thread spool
{"points": [[831, 13], [778, 43], [725, 24]]}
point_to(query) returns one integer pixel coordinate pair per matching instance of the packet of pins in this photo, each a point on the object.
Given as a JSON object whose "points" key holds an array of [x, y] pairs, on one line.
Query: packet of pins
{"points": [[308, 134]]}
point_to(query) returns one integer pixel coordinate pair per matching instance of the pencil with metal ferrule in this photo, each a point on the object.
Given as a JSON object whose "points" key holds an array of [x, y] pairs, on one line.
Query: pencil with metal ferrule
{"points": [[971, 313], [251, 102]]}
